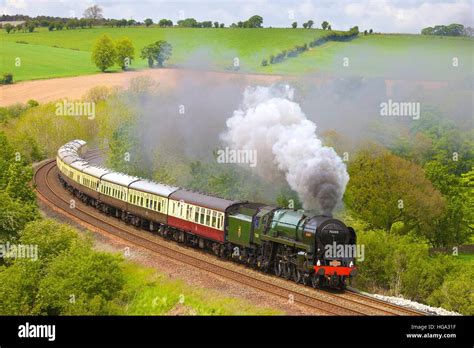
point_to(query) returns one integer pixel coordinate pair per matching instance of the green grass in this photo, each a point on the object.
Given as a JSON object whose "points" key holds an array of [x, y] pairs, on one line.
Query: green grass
{"points": [[148, 292], [36, 62], [391, 56], [211, 48], [67, 52], [468, 258]]}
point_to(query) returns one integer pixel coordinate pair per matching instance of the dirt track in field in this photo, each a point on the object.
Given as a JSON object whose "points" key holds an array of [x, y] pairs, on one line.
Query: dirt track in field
{"points": [[73, 88], [76, 87]]}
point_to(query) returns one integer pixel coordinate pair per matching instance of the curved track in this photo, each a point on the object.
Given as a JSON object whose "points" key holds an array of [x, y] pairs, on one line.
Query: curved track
{"points": [[51, 192]]}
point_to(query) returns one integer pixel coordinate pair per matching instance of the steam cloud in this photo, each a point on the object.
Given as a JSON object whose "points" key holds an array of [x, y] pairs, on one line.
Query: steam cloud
{"points": [[272, 124]]}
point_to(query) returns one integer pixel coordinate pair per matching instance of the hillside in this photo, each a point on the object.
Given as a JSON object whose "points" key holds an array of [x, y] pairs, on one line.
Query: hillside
{"points": [[47, 54]]}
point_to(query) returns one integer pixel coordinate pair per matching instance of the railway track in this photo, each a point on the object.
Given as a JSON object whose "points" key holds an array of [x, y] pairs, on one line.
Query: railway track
{"points": [[51, 192]]}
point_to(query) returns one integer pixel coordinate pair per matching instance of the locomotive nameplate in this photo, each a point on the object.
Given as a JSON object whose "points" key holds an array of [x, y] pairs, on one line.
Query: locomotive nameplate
{"points": [[335, 263]]}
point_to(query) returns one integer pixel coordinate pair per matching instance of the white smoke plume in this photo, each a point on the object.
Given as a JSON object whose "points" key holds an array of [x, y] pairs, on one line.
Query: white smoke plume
{"points": [[272, 124]]}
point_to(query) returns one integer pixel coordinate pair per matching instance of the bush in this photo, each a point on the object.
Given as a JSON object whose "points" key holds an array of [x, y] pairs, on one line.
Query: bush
{"points": [[456, 293], [402, 266], [6, 79], [32, 103], [264, 62]]}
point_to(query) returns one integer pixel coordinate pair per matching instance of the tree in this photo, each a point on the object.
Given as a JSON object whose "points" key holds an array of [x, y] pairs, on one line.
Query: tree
{"points": [[385, 189], [164, 50], [51, 26], [51, 237], [354, 30], [159, 51], [216, 24], [222, 25], [254, 22], [310, 24], [329, 27], [188, 23], [444, 30], [122, 22], [305, 25], [125, 52], [148, 52], [324, 25], [148, 22], [165, 23], [365, 32], [8, 28], [14, 215], [20, 175], [294, 25], [452, 227], [103, 53], [70, 24], [371, 31], [94, 13]]}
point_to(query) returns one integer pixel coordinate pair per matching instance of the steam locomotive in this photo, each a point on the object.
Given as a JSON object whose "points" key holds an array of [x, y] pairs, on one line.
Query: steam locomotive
{"points": [[294, 244]]}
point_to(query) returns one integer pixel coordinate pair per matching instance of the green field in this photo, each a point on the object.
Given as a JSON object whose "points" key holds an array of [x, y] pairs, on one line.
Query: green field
{"points": [[47, 54], [393, 56]]}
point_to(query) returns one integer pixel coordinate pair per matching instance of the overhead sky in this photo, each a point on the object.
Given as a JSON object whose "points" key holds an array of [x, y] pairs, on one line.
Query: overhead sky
{"points": [[402, 16]]}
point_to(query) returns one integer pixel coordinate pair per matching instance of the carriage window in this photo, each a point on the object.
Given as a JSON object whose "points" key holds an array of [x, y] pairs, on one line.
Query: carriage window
{"points": [[159, 206], [189, 212], [147, 203], [208, 217], [201, 216], [141, 201], [196, 214], [214, 219]]}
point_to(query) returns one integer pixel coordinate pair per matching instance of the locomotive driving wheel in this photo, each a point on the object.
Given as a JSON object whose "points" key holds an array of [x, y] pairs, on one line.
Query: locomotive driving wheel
{"points": [[315, 280], [278, 268], [297, 275]]}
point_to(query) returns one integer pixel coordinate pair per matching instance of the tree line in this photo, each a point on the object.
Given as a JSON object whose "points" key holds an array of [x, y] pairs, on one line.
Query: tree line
{"points": [[448, 30]]}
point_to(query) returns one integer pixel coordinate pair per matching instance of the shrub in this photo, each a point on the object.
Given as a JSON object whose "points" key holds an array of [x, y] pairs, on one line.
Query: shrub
{"points": [[32, 103], [6, 79]]}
